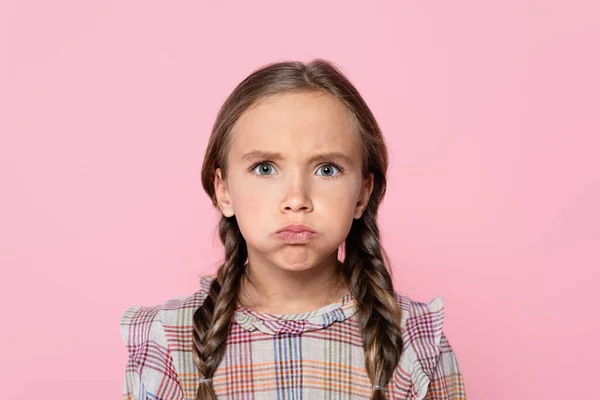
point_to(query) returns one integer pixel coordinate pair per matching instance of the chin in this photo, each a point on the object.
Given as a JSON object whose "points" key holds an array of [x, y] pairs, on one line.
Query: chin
{"points": [[292, 257], [298, 258], [299, 267]]}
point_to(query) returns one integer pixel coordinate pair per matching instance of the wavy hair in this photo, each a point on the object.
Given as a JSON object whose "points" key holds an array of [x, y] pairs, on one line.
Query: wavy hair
{"points": [[365, 262]]}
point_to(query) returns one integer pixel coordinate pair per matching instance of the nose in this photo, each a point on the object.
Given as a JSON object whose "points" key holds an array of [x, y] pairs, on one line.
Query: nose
{"points": [[297, 197]]}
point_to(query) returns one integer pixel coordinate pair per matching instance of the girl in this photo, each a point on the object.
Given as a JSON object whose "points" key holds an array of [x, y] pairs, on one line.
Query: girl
{"points": [[303, 306]]}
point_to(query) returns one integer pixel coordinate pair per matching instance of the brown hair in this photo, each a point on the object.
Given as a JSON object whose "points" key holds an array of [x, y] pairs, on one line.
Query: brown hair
{"points": [[365, 262]]}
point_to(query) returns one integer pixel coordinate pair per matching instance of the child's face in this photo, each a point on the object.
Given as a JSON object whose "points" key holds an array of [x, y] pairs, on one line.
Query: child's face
{"points": [[299, 184]]}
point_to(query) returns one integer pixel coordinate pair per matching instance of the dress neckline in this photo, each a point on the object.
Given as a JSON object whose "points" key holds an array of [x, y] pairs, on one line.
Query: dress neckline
{"points": [[273, 324]]}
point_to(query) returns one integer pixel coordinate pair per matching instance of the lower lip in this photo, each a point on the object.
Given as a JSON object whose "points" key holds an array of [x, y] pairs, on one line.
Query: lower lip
{"points": [[295, 237]]}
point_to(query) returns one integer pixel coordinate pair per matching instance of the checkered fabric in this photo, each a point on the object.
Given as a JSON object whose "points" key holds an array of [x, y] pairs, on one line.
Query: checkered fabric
{"points": [[315, 355]]}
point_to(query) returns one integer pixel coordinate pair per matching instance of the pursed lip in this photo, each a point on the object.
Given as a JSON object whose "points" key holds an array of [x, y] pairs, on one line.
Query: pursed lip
{"points": [[296, 228]]}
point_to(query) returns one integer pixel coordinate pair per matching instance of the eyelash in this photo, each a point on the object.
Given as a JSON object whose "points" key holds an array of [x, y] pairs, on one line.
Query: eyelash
{"points": [[265, 162]]}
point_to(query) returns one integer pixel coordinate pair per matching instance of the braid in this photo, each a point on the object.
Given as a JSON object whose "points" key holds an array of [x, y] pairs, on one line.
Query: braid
{"points": [[212, 320], [378, 312]]}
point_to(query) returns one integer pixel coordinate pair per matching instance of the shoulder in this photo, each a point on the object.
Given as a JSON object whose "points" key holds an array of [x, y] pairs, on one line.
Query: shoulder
{"points": [[421, 321], [422, 325], [152, 335], [141, 324]]}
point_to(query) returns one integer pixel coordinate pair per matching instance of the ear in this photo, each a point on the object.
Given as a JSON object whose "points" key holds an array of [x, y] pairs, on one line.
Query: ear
{"points": [[365, 195], [222, 194]]}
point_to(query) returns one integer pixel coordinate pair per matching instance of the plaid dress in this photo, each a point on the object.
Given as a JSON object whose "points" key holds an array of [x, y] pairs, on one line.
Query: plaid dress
{"points": [[315, 355]]}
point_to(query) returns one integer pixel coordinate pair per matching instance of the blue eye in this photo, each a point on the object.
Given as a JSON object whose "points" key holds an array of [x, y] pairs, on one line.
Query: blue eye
{"points": [[266, 169], [263, 169], [328, 170]]}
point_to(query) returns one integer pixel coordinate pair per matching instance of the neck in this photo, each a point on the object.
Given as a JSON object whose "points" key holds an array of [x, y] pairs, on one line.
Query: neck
{"points": [[274, 290]]}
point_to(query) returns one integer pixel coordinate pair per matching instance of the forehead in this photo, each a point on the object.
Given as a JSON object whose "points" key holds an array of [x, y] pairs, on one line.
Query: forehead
{"points": [[296, 124]]}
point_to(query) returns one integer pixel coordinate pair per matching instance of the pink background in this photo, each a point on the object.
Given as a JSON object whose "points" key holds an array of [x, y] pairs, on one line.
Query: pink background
{"points": [[490, 111]]}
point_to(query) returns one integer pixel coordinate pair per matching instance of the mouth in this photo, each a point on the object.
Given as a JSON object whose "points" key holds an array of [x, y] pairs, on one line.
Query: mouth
{"points": [[296, 233]]}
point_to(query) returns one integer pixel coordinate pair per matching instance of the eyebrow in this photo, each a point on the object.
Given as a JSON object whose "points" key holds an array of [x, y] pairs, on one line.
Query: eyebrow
{"points": [[334, 156]]}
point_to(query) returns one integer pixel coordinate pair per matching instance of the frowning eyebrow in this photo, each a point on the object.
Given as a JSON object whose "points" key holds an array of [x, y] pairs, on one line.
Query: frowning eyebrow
{"points": [[336, 157]]}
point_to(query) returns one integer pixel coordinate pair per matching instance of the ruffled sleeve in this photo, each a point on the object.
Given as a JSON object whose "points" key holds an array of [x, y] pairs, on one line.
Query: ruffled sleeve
{"points": [[446, 381], [427, 356], [149, 372]]}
